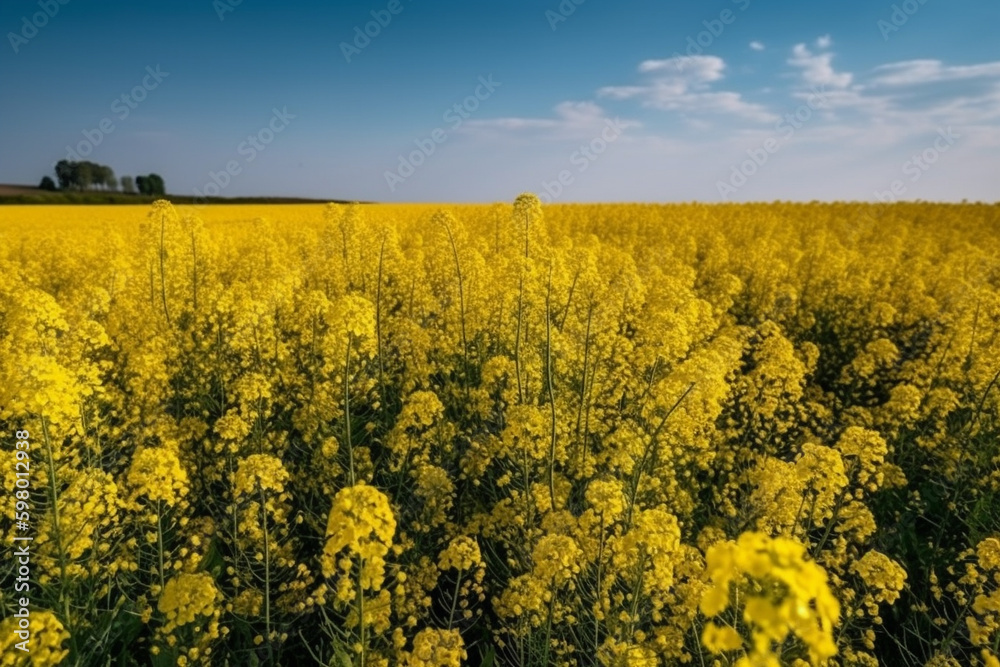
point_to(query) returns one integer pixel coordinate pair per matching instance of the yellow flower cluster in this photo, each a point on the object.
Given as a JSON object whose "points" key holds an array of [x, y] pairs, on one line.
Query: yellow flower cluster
{"points": [[361, 523], [780, 593], [462, 554], [157, 475], [86, 520], [984, 621], [45, 646], [436, 648], [191, 607], [881, 574], [556, 559], [606, 498], [537, 435], [186, 597], [259, 472]]}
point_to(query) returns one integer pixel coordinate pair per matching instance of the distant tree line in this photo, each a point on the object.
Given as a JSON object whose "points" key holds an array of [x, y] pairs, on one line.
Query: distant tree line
{"points": [[89, 175], [85, 176]]}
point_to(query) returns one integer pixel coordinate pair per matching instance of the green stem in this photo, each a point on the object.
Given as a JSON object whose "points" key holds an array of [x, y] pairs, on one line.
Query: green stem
{"points": [[597, 597], [347, 409], [461, 304], [648, 451], [194, 270], [378, 328], [548, 624], [635, 595], [267, 571], [57, 533], [552, 396], [163, 275], [517, 339], [159, 541], [454, 600], [361, 612]]}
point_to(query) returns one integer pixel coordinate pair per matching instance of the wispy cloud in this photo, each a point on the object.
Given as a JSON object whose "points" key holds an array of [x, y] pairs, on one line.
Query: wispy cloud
{"points": [[571, 119], [894, 103], [915, 72], [684, 85], [817, 68], [869, 121]]}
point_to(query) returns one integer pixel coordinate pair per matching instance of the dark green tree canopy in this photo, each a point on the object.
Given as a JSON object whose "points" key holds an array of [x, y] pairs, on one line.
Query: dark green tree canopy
{"points": [[84, 175], [150, 185], [88, 175]]}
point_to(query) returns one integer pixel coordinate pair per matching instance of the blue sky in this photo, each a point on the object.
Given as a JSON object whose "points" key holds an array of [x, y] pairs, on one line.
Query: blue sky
{"points": [[740, 100]]}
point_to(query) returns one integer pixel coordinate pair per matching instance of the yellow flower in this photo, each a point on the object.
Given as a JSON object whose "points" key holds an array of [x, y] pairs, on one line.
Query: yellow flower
{"points": [[606, 497], [259, 471], [157, 474], [718, 638], [882, 575], [792, 594], [361, 523], [988, 553], [186, 597], [44, 644], [462, 554], [436, 648], [556, 558]]}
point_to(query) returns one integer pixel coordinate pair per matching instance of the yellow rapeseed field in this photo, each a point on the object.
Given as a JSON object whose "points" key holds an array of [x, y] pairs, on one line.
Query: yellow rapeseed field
{"points": [[418, 435]]}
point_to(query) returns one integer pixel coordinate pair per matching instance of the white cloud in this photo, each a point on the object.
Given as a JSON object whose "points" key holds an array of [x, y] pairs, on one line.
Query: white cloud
{"points": [[912, 72], [883, 108], [757, 46], [682, 84], [695, 69], [966, 94], [873, 120], [571, 119], [817, 69]]}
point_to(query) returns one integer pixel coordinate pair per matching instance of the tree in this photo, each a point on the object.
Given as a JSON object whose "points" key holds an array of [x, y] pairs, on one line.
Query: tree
{"points": [[157, 185], [64, 174], [150, 185], [104, 176], [47, 184], [85, 174]]}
